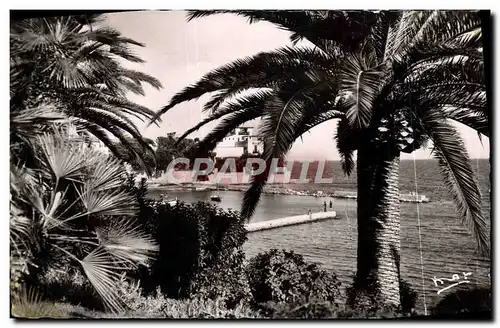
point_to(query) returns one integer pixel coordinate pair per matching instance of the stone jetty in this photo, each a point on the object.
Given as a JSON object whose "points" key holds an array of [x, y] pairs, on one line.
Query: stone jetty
{"points": [[289, 221]]}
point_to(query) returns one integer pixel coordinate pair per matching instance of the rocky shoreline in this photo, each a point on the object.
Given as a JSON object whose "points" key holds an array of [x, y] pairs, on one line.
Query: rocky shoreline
{"points": [[272, 190]]}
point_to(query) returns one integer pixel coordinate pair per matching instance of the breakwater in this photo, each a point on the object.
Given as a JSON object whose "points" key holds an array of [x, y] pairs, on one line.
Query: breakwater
{"points": [[289, 221]]}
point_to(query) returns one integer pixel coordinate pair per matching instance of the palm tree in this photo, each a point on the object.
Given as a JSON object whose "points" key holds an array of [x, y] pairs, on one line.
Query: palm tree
{"points": [[74, 209], [394, 85], [68, 63]]}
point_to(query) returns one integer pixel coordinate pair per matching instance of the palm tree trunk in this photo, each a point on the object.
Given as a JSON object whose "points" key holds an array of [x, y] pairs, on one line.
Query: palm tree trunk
{"points": [[378, 272]]}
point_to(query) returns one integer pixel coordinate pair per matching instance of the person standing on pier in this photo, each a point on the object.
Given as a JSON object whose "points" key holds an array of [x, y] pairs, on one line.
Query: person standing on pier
{"points": [[331, 204], [324, 204]]}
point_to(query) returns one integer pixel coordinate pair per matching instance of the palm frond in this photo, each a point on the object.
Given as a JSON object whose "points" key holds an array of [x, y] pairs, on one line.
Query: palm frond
{"points": [[59, 156], [107, 173], [108, 36], [23, 122], [140, 77], [280, 130], [454, 164], [430, 28], [228, 124], [255, 100], [284, 118], [252, 195], [445, 25], [468, 117], [102, 271], [115, 203], [362, 83], [263, 70], [404, 30], [65, 73], [101, 134], [346, 145], [21, 229], [81, 66], [98, 127], [111, 121], [92, 98], [321, 28], [126, 242]]}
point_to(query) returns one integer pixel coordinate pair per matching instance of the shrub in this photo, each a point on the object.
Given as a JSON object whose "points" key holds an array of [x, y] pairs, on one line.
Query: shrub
{"points": [[149, 306], [316, 309], [200, 250], [27, 303], [156, 305], [284, 277], [379, 312], [72, 211], [69, 285], [465, 301], [207, 309], [300, 309]]}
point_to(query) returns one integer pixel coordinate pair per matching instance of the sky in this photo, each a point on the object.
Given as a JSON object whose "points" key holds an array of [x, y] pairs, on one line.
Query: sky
{"points": [[179, 53]]}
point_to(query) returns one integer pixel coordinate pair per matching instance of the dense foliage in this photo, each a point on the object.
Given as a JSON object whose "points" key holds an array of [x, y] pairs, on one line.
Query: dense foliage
{"points": [[75, 66], [168, 148], [465, 301], [285, 277], [73, 210], [200, 249]]}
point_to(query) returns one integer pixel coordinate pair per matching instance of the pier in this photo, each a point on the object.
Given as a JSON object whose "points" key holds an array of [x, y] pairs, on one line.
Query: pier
{"points": [[289, 221]]}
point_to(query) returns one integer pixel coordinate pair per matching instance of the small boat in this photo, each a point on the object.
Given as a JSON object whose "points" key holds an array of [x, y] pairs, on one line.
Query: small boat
{"points": [[167, 200], [215, 198], [412, 197], [173, 202]]}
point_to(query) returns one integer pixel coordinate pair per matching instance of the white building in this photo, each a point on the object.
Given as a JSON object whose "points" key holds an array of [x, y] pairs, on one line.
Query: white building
{"points": [[89, 139], [244, 139]]}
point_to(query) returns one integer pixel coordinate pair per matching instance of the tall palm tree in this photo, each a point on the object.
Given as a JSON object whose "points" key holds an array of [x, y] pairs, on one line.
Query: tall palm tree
{"points": [[68, 63], [395, 84]]}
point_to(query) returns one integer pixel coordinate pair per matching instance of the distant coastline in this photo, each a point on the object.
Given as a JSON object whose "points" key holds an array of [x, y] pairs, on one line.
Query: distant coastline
{"points": [[278, 190], [427, 172]]}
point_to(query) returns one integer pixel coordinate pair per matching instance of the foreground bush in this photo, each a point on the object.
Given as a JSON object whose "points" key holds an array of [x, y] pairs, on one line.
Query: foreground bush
{"points": [[27, 303], [207, 309], [67, 284], [316, 309], [72, 210], [156, 305], [465, 301], [300, 309], [200, 249], [284, 277]]}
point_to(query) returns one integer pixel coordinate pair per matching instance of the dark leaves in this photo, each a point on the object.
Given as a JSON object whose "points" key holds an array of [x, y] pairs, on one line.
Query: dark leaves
{"points": [[455, 166]]}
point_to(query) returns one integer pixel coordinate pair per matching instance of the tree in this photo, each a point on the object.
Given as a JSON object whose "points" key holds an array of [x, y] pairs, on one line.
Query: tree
{"points": [[67, 63], [171, 147], [74, 210], [394, 85], [129, 155]]}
